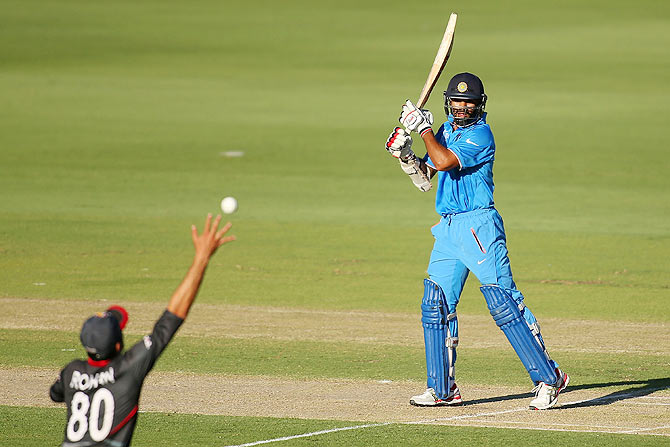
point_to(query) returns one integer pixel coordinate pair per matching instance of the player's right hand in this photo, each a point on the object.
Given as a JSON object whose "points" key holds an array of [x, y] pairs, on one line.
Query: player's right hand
{"points": [[211, 238], [415, 119], [399, 144]]}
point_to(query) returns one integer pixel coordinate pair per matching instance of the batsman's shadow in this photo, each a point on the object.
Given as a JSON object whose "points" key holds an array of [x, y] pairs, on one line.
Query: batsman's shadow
{"points": [[645, 388], [633, 391]]}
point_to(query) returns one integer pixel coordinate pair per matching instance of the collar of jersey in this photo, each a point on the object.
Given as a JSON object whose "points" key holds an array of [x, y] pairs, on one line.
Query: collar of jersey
{"points": [[98, 363]]}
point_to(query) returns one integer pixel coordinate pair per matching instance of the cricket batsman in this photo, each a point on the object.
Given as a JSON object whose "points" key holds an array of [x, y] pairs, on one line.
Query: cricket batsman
{"points": [[102, 392], [469, 237]]}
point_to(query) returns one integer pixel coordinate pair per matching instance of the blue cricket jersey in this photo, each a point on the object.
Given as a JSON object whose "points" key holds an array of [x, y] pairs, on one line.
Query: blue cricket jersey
{"points": [[470, 186]]}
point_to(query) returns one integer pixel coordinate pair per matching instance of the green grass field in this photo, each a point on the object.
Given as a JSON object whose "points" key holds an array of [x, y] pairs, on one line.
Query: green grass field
{"points": [[114, 122]]}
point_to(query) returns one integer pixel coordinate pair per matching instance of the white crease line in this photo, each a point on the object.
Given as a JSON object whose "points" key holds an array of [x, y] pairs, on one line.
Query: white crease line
{"points": [[314, 433], [645, 429], [556, 424], [615, 397], [471, 416], [466, 416], [516, 410], [321, 432], [649, 404], [614, 432]]}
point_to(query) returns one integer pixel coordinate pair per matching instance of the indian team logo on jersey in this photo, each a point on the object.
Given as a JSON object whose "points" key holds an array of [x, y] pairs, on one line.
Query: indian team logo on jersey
{"points": [[462, 87]]}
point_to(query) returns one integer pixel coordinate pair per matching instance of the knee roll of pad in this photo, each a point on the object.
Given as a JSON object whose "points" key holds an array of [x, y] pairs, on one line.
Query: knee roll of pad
{"points": [[508, 317], [439, 362]]}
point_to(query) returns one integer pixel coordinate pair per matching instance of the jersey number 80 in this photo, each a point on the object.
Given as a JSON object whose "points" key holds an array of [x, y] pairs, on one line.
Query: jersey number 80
{"points": [[79, 423]]}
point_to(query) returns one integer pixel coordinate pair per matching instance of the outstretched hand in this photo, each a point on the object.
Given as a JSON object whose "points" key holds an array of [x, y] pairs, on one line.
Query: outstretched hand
{"points": [[205, 245], [211, 237]]}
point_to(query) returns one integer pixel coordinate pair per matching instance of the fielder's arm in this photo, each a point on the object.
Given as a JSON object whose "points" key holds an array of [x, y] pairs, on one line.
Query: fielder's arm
{"points": [[205, 246]]}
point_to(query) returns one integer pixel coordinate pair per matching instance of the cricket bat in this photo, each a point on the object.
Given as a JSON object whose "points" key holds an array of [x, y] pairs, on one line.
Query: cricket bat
{"points": [[440, 61]]}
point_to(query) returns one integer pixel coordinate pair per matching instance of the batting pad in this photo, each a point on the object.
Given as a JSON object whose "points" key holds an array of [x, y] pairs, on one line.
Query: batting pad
{"points": [[507, 316], [433, 319]]}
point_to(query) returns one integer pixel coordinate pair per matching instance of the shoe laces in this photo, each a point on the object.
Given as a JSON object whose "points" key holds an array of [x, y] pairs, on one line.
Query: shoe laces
{"points": [[538, 388]]}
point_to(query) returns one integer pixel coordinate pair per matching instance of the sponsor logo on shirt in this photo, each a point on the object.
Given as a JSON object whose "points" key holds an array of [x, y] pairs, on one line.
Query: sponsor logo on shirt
{"points": [[147, 342]]}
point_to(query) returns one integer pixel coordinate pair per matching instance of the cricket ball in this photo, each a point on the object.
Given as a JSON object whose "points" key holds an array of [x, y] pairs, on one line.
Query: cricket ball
{"points": [[229, 205]]}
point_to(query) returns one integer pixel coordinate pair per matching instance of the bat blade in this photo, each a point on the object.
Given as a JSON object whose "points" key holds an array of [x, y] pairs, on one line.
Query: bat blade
{"points": [[440, 60]]}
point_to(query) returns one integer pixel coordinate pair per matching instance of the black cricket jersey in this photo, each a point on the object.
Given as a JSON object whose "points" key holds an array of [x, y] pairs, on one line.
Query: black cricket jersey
{"points": [[102, 396]]}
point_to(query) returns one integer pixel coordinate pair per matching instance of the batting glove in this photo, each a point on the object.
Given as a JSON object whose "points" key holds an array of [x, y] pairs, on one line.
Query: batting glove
{"points": [[415, 119], [399, 144]]}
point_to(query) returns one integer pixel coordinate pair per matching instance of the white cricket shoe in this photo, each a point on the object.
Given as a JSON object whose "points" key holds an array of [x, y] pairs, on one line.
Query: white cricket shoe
{"points": [[430, 399], [546, 396]]}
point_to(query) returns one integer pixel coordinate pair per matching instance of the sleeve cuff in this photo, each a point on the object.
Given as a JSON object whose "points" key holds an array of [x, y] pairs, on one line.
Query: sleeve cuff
{"points": [[425, 131], [460, 164]]}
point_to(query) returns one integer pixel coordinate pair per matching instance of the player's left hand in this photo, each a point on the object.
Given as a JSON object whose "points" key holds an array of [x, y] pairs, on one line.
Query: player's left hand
{"points": [[415, 119], [399, 144]]}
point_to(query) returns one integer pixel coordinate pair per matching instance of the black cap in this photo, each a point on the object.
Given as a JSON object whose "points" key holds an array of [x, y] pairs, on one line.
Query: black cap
{"points": [[102, 332], [465, 86]]}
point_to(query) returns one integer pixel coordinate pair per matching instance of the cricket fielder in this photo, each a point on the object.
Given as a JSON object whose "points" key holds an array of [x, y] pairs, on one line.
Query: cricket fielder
{"points": [[102, 392], [469, 237]]}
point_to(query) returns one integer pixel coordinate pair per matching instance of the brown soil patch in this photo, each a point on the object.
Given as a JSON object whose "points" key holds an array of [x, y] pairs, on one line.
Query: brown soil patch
{"points": [[233, 321], [632, 408], [590, 410]]}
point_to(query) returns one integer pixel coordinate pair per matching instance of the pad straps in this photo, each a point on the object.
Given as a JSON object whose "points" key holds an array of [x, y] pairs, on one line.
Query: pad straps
{"points": [[438, 332], [527, 344]]}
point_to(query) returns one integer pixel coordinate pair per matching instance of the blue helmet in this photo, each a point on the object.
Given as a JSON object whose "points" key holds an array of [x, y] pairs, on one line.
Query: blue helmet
{"points": [[465, 87]]}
